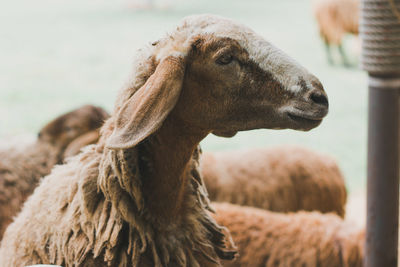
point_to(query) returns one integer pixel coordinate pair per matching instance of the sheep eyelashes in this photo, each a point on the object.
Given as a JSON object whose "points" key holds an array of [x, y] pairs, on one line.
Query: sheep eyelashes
{"points": [[136, 198]]}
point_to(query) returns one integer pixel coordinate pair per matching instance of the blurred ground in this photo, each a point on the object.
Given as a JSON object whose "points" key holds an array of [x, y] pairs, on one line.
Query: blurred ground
{"points": [[58, 54]]}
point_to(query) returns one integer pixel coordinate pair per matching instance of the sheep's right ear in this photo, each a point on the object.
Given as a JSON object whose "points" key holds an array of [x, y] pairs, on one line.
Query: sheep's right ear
{"points": [[144, 112]]}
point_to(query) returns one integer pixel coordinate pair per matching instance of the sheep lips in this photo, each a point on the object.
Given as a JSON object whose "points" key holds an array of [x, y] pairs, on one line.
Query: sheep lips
{"points": [[226, 134]]}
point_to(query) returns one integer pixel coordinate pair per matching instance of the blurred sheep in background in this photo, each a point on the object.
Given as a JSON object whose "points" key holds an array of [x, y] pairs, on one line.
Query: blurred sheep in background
{"points": [[22, 165], [335, 18], [281, 178]]}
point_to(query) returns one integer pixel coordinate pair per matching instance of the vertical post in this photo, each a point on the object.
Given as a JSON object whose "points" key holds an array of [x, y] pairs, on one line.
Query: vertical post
{"points": [[383, 178], [380, 32]]}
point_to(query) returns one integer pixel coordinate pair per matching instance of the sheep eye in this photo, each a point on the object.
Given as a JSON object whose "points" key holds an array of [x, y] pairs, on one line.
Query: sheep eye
{"points": [[224, 60]]}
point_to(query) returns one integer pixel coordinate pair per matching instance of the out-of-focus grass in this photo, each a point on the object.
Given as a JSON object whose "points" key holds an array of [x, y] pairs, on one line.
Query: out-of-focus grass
{"points": [[56, 55]]}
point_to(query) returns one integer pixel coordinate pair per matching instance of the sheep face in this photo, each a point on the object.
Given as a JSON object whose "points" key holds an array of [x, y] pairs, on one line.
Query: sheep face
{"points": [[235, 80], [216, 76], [64, 129]]}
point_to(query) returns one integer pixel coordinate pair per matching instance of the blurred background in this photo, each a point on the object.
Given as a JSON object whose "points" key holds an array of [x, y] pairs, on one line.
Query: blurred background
{"points": [[57, 55]]}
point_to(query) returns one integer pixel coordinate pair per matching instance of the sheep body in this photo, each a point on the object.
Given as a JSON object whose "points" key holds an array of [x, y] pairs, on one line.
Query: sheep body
{"points": [[22, 165], [61, 178], [335, 18], [20, 172], [93, 228], [270, 239], [282, 178]]}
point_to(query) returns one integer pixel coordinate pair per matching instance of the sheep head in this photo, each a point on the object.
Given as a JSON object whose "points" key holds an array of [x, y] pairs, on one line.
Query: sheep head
{"points": [[61, 131], [217, 76]]}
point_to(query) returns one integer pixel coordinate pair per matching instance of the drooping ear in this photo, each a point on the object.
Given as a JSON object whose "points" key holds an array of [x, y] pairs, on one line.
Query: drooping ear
{"points": [[143, 113]]}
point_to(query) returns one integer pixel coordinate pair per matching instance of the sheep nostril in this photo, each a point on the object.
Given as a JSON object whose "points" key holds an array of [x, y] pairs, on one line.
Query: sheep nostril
{"points": [[319, 98]]}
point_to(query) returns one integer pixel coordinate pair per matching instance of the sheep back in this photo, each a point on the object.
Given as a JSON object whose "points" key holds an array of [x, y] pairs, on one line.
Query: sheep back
{"points": [[282, 178], [309, 239]]}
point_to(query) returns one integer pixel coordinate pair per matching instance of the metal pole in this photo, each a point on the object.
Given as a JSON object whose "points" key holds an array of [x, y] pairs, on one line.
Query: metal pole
{"points": [[383, 178], [380, 32]]}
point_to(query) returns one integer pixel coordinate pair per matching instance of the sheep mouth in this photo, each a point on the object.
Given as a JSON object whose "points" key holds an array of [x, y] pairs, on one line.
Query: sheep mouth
{"points": [[304, 118]]}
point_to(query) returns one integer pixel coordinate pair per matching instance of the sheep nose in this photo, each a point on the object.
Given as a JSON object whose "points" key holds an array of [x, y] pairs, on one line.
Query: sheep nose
{"points": [[319, 98]]}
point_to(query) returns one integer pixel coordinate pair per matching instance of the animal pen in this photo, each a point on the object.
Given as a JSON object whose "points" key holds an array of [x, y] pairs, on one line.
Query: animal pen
{"points": [[380, 32]]}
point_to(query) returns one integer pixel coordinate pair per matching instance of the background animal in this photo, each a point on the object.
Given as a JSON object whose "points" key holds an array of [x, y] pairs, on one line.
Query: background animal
{"points": [[135, 198], [21, 167], [281, 178], [270, 239], [85, 139], [335, 18], [66, 128]]}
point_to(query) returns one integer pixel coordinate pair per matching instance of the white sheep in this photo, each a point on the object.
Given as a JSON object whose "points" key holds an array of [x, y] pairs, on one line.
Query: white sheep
{"points": [[282, 178], [21, 166], [135, 198]]}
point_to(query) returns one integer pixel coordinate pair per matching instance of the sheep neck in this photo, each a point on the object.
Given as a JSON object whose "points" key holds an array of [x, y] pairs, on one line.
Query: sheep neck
{"points": [[168, 154]]}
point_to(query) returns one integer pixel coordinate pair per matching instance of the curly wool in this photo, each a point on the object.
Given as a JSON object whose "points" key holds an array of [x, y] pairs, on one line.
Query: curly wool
{"points": [[104, 227]]}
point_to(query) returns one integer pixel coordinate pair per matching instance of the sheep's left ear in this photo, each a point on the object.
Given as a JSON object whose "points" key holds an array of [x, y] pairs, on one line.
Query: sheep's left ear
{"points": [[143, 113]]}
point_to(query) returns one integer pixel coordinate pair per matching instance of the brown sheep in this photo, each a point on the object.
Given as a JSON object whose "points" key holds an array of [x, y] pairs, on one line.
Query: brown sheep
{"points": [[62, 131], [75, 146], [282, 178], [136, 198], [335, 18], [270, 239], [21, 167]]}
